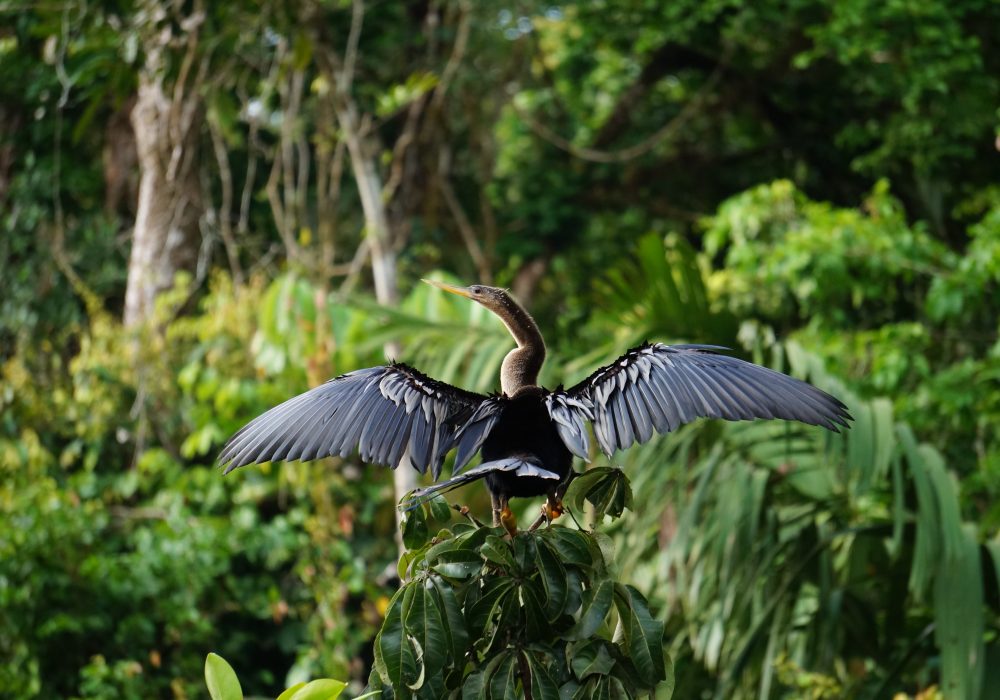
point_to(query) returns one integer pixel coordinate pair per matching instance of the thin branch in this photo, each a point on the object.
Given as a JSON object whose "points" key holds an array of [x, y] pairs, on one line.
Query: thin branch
{"points": [[278, 210], [356, 266], [186, 100], [631, 152], [659, 64], [126, 513], [464, 511], [351, 52], [328, 226], [226, 208], [253, 143], [291, 102], [466, 230], [265, 260], [58, 246], [457, 55], [255, 148], [302, 183], [405, 140]]}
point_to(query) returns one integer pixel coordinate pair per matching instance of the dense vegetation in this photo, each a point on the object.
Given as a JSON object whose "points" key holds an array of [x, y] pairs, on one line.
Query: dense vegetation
{"points": [[813, 183]]}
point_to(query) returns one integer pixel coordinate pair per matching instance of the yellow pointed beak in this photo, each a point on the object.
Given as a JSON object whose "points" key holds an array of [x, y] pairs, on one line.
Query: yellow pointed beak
{"points": [[460, 291]]}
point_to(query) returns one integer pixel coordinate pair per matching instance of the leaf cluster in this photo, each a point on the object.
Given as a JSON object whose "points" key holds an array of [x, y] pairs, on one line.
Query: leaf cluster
{"points": [[224, 685], [481, 615]]}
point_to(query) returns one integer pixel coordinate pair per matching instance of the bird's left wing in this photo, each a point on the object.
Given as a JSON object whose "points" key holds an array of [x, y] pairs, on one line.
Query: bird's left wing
{"points": [[393, 415], [661, 387]]}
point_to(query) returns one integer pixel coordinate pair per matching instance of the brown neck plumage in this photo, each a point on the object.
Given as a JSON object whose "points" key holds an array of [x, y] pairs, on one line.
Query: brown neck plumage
{"points": [[521, 365]]}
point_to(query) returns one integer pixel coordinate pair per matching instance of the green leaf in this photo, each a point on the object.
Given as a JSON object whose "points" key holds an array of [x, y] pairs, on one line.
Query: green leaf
{"points": [[589, 658], [610, 493], [595, 608], [553, 576], [543, 686], [642, 635], [572, 546], [455, 627], [498, 551], [398, 96], [422, 622], [418, 652], [395, 659], [665, 688], [958, 613], [291, 690], [482, 610], [320, 689], [221, 679], [503, 682], [415, 530], [474, 687], [440, 510], [456, 563], [530, 598]]}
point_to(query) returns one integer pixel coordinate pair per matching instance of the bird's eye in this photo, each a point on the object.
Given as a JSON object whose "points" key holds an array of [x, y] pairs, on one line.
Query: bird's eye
{"points": [[476, 289]]}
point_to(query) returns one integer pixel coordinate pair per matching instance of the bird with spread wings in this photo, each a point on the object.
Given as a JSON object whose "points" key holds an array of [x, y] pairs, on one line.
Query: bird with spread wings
{"points": [[526, 435]]}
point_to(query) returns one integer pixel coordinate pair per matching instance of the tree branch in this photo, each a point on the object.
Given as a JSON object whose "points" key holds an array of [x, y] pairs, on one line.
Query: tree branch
{"points": [[665, 60], [599, 156], [351, 51], [466, 230], [457, 55], [226, 207]]}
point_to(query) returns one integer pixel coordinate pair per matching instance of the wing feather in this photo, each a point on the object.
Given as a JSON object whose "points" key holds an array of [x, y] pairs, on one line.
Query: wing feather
{"points": [[476, 429], [658, 388], [524, 466], [390, 414]]}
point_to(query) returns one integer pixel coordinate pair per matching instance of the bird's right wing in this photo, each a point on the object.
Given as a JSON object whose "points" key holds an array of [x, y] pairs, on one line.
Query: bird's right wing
{"points": [[393, 415], [657, 388]]}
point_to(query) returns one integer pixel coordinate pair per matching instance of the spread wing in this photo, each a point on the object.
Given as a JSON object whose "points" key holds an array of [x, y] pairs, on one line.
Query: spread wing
{"points": [[657, 388], [393, 415]]}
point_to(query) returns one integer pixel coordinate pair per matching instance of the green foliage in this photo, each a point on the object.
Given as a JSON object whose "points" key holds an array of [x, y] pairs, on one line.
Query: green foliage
{"points": [[788, 257], [765, 533], [481, 615], [882, 302], [606, 489], [852, 537], [224, 685], [116, 577], [221, 679], [686, 171]]}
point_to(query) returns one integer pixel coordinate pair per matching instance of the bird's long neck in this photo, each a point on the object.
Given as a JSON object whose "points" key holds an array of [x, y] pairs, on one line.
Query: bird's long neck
{"points": [[521, 365]]}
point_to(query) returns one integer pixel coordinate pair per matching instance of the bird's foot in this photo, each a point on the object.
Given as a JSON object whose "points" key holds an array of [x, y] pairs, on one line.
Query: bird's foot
{"points": [[508, 521], [552, 509]]}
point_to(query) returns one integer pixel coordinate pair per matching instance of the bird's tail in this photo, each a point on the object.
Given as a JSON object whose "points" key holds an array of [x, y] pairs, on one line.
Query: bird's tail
{"points": [[521, 466]]}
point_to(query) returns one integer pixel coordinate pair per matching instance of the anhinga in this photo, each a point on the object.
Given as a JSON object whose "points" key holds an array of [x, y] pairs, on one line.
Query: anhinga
{"points": [[527, 435]]}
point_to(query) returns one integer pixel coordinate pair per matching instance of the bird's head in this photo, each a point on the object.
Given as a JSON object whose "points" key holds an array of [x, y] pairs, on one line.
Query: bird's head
{"points": [[495, 299]]}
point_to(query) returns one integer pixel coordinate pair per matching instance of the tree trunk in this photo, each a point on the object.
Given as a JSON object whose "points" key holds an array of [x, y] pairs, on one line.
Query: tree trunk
{"points": [[165, 239], [379, 234]]}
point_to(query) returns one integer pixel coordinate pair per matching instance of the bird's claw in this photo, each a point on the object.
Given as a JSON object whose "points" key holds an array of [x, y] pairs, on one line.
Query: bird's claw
{"points": [[509, 521], [550, 511]]}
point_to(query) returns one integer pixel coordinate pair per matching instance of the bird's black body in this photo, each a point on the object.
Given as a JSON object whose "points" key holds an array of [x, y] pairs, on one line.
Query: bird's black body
{"points": [[527, 435], [526, 430]]}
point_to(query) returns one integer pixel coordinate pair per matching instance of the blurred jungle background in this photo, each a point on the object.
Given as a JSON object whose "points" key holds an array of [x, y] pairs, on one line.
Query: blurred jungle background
{"points": [[210, 207]]}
